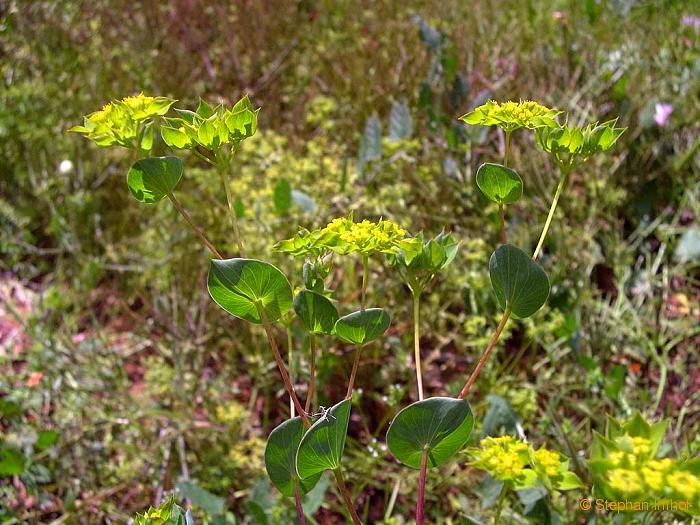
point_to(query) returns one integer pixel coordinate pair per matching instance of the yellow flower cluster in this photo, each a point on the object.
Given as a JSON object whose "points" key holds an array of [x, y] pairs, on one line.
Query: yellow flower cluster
{"points": [[510, 459], [548, 461], [635, 472], [365, 237], [503, 457], [511, 115], [344, 236], [119, 121]]}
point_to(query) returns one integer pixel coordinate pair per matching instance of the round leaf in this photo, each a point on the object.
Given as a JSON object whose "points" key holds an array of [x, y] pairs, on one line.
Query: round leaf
{"points": [[438, 425], [500, 184], [362, 326], [316, 312], [519, 282], [237, 285], [322, 446], [281, 457], [151, 179]]}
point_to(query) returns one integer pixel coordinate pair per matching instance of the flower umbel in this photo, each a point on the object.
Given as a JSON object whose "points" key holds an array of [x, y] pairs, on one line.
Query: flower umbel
{"points": [[510, 116], [121, 121], [344, 236], [511, 460]]}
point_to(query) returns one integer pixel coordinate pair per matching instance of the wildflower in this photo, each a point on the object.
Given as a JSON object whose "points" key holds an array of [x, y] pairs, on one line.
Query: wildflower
{"points": [[662, 112], [511, 116], [122, 121], [692, 21], [344, 236], [625, 480], [569, 142], [510, 459]]}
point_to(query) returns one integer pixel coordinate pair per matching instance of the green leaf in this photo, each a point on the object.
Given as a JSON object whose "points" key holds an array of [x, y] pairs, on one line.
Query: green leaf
{"points": [[208, 502], [204, 109], [499, 183], [174, 137], [11, 461], [151, 179], [207, 133], [283, 196], [362, 326], [316, 312], [46, 438], [438, 425], [322, 446], [237, 285], [519, 282], [281, 456], [147, 139]]}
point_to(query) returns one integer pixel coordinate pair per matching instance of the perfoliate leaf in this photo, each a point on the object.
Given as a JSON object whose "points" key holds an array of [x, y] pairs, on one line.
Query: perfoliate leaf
{"points": [[322, 446], [281, 457], [438, 425], [519, 282], [362, 326], [237, 285], [151, 179], [499, 183], [316, 312]]}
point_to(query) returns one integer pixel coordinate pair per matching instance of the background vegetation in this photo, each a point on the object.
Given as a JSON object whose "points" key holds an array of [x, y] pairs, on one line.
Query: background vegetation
{"points": [[121, 379]]}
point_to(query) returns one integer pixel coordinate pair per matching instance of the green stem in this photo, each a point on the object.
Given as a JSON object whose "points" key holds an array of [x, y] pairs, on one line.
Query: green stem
{"points": [[198, 232], [502, 217], [485, 355], [416, 342], [499, 507], [223, 167], [280, 363], [346, 496], [565, 170], [365, 269], [312, 379], [507, 151]]}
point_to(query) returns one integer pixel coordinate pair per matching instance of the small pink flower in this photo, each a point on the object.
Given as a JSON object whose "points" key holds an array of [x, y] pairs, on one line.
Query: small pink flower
{"points": [[689, 20], [662, 112]]}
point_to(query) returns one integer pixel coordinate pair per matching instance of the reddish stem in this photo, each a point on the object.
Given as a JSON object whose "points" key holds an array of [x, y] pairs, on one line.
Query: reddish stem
{"points": [[297, 501], [281, 365], [346, 497], [198, 232], [355, 365], [485, 355], [421, 488], [312, 379]]}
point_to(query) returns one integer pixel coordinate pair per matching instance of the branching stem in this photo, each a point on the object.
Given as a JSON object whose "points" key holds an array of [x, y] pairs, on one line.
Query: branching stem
{"points": [[346, 496], [565, 170], [312, 378], [355, 365], [198, 232], [421, 488], [297, 501], [416, 342], [485, 355], [365, 269], [224, 167], [280, 364]]}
